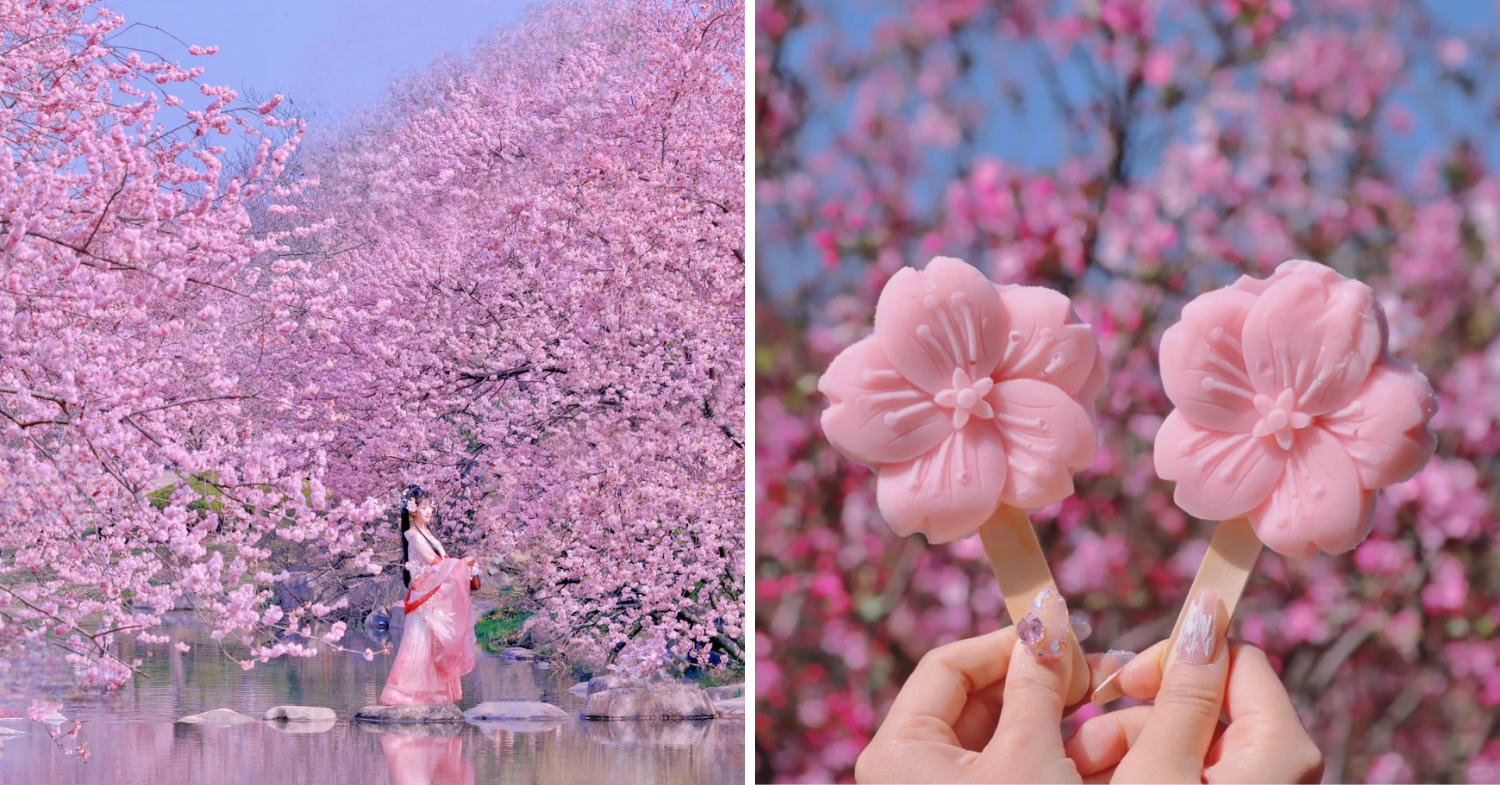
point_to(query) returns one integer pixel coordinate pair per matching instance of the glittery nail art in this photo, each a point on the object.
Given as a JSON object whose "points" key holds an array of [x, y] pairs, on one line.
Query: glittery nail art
{"points": [[1044, 629], [1200, 628]]}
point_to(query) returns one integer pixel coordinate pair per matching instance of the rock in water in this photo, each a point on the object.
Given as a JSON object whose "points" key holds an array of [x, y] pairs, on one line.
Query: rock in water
{"points": [[4, 731], [600, 684], [730, 707], [515, 653], [726, 692], [218, 717], [421, 712], [432, 730], [515, 710], [665, 701], [581, 688], [301, 713]]}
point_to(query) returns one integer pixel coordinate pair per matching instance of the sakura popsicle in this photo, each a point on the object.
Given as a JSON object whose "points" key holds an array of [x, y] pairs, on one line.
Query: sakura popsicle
{"points": [[1290, 414], [972, 402]]}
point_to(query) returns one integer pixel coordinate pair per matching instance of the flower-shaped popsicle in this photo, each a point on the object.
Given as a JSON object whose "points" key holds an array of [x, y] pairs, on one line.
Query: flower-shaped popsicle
{"points": [[968, 396], [1290, 412], [1290, 415]]}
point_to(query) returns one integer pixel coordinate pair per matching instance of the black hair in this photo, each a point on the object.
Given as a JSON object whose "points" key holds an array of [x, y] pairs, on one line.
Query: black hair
{"points": [[413, 493]]}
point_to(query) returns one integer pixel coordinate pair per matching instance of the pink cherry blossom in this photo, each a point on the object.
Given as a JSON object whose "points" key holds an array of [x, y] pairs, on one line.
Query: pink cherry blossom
{"points": [[1289, 411], [968, 396], [518, 280]]}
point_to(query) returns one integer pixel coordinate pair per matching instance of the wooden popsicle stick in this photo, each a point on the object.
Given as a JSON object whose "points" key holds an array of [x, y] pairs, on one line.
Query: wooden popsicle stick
{"points": [[1226, 567], [1021, 568]]}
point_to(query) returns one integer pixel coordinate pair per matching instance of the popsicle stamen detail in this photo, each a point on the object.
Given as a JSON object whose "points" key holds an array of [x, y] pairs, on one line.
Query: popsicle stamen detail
{"points": [[972, 402], [1331, 418]]}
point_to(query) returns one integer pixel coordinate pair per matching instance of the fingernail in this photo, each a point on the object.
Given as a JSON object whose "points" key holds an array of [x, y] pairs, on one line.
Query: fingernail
{"points": [[1081, 627], [1108, 690], [1043, 629], [1198, 640], [1110, 666]]}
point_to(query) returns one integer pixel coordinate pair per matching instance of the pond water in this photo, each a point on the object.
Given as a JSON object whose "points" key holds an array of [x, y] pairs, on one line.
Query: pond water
{"points": [[135, 740]]}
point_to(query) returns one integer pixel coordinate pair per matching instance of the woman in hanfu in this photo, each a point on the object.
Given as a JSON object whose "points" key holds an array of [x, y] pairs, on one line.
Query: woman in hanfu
{"points": [[437, 644]]}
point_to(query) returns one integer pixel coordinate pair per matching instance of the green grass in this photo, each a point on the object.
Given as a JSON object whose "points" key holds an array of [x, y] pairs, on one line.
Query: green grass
{"points": [[719, 677], [501, 628]]}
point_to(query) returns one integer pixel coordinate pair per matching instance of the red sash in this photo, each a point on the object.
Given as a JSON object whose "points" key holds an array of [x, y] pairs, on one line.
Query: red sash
{"points": [[411, 606]]}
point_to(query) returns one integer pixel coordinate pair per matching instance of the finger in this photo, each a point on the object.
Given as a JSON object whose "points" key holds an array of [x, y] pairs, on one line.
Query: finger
{"points": [[1037, 684], [1269, 741], [1103, 669], [975, 725], [1140, 678], [1188, 704], [934, 696], [1255, 692], [1102, 742]]}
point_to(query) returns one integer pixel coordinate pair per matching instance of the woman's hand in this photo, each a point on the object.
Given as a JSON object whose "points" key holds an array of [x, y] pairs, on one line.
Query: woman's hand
{"points": [[986, 709], [1180, 738]]}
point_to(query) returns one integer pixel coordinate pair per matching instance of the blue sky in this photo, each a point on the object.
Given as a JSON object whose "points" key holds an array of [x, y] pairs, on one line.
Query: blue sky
{"points": [[330, 56], [1034, 136]]}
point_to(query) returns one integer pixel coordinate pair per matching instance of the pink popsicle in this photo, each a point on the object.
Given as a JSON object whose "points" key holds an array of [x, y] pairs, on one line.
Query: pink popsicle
{"points": [[972, 402], [1290, 415]]}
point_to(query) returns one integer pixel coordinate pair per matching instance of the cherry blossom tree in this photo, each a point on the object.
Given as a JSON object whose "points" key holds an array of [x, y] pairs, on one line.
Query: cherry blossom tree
{"points": [[533, 306], [1131, 155], [141, 459], [519, 282]]}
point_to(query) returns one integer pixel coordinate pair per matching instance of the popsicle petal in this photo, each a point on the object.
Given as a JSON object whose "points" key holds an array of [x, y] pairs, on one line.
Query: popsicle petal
{"points": [[1094, 384], [1314, 332], [1048, 436], [1318, 503], [1385, 428], [1045, 341], [1203, 365], [947, 493], [876, 416], [943, 318], [1219, 475]]}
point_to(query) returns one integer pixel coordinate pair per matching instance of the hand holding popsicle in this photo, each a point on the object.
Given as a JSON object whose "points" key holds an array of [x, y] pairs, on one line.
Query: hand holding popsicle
{"points": [[1290, 415], [971, 401]]}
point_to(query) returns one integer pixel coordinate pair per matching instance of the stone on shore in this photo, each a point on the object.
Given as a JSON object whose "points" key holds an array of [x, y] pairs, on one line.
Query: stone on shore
{"points": [[730, 707], [665, 701], [421, 712], [218, 717], [515, 710], [300, 713], [519, 654], [581, 688], [726, 692]]}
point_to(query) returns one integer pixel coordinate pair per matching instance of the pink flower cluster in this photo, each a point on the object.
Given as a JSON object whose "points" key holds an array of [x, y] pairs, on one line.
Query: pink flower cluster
{"points": [[518, 281], [1218, 140]]}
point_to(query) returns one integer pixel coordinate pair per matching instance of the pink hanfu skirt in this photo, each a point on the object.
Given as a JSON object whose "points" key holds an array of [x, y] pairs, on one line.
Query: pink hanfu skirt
{"points": [[437, 644]]}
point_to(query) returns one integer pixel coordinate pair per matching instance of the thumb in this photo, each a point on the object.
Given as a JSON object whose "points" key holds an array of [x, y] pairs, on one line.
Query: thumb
{"points": [[1177, 736]]}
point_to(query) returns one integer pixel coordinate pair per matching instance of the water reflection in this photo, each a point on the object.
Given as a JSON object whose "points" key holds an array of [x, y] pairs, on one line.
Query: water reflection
{"points": [[135, 740], [427, 759]]}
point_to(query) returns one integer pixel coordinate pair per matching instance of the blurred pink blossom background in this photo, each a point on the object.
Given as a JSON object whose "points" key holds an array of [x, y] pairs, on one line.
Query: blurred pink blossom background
{"points": [[1131, 155]]}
